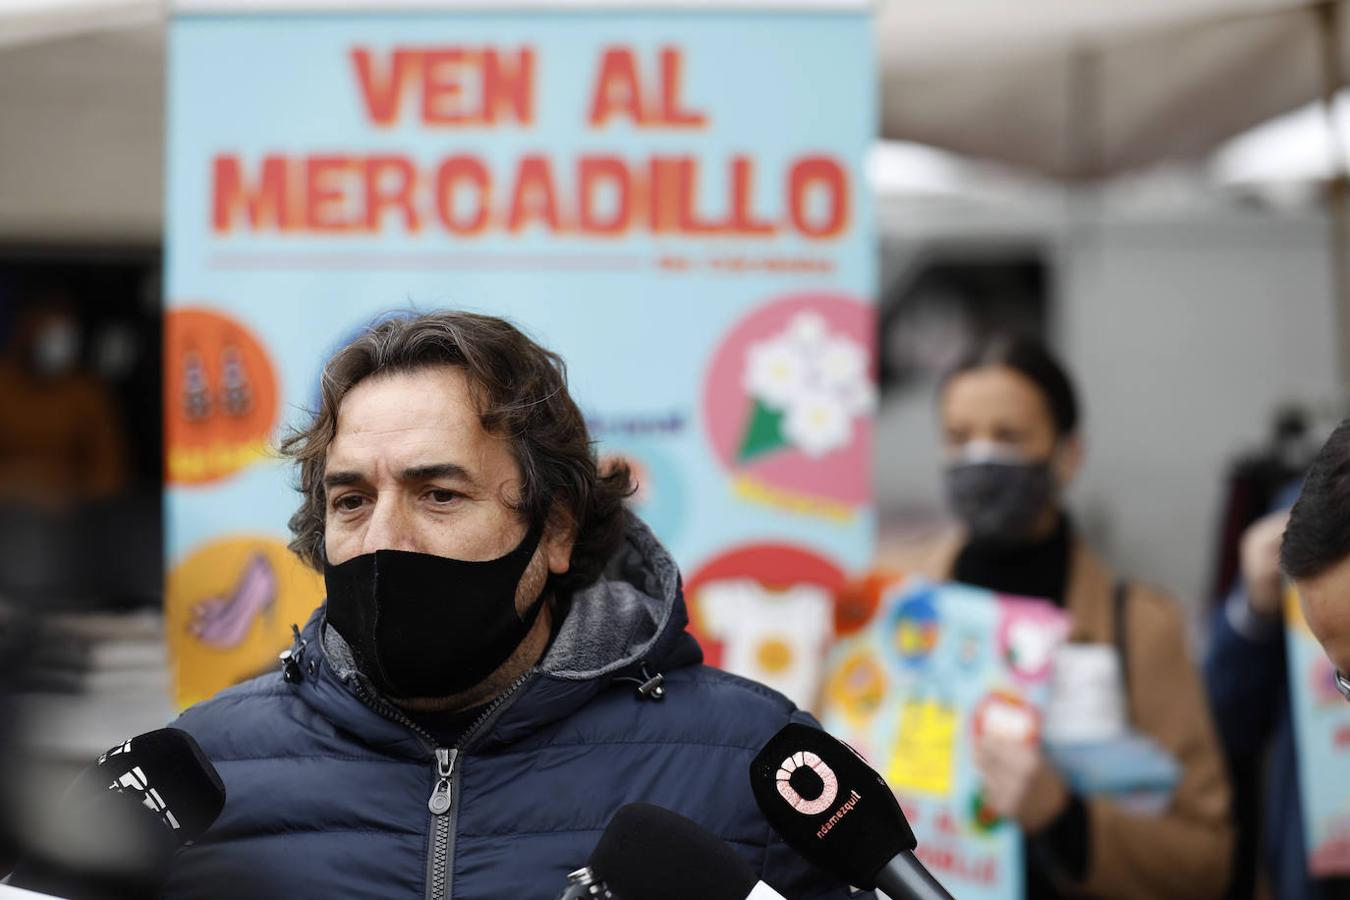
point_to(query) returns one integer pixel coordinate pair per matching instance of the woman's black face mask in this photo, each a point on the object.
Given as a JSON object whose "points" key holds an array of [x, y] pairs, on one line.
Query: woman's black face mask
{"points": [[997, 494], [422, 625]]}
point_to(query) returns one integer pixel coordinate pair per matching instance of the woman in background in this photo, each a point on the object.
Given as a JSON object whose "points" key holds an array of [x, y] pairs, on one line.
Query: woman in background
{"points": [[1010, 424]]}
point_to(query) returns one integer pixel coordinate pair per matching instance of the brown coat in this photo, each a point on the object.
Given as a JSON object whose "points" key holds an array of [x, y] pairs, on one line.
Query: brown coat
{"points": [[1186, 852]]}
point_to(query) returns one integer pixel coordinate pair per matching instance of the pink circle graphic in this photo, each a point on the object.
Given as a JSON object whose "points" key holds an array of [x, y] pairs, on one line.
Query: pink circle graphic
{"points": [[1028, 633], [827, 777], [788, 398]]}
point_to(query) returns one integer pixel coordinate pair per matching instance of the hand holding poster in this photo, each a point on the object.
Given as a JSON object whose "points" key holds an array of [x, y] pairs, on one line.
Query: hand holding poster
{"points": [[937, 666]]}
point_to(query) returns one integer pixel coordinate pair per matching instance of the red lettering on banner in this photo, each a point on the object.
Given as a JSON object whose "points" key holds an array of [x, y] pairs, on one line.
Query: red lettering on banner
{"points": [[672, 115], [618, 92], [443, 86], [818, 173], [382, 93], [381, 194], [743, 219], [593, 173], [264, 205], [534, 197], [616, 88], [687, 191], [603, 195], [662, 195], [459, 86], [325, 197], [967, 863], [508, 89], [451, 172]]}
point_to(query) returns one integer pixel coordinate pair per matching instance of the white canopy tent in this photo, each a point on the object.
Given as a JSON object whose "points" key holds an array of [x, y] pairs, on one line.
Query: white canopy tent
{"points": [[1072, 89], [1082, 89]]}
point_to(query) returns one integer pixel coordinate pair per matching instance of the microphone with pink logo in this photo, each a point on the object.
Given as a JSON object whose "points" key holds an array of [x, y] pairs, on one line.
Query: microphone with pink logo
{"points": [[836, 811]]}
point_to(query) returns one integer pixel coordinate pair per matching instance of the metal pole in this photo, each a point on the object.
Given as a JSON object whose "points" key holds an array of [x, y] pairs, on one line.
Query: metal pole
{"points": [[1329, 16]]}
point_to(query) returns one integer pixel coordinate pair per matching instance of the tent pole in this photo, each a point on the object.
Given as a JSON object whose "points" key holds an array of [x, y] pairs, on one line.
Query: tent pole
{"points": [[1338, 193]]}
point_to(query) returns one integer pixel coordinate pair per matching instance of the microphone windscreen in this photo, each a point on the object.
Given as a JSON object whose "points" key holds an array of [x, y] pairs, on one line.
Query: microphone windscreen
{"points": [[167, 773], [828, 804], [114, 832], [650, 853]]}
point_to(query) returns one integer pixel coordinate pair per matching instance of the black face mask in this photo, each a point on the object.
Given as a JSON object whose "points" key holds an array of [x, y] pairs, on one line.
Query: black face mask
{"points": [[998, 499], [421, 625]]}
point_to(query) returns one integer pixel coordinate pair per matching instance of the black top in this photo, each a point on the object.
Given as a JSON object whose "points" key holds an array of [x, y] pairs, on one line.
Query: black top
{"points": [[448, 727], [1037, 568]]}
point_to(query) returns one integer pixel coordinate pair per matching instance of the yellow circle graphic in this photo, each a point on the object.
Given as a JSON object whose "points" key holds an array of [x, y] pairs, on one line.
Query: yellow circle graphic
{"points": [[228, 610], [857, 687], [774, 656]]}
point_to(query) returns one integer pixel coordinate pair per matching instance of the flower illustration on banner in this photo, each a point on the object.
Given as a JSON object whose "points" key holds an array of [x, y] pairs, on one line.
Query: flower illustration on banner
{"points": [[807, 386]]}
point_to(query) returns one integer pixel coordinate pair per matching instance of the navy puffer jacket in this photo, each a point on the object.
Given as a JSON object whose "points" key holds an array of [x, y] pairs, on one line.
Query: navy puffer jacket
{"points": [[329, 787]]}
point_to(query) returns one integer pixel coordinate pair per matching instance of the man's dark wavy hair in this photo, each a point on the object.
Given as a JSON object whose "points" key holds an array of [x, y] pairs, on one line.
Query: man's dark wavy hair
{"points": [[521, 392], [1318, 534]]}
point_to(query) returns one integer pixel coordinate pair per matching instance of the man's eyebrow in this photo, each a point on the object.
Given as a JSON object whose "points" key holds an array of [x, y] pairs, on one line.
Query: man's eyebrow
{"points": [[437, 470], [338, 479], [412, 473]]}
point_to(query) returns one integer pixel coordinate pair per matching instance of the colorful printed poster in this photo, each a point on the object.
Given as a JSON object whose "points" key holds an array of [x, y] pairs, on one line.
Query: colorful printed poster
{"points": [[672, 200], [1322, 742], [936, 666]]}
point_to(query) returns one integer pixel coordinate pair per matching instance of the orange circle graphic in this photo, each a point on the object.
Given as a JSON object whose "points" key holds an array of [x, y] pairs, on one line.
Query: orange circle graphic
{"points": [[220, 396], [228, 611]]}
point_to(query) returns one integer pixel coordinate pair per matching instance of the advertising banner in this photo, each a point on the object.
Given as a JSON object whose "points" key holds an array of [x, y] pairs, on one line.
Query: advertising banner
{"points": [[673, 200]]}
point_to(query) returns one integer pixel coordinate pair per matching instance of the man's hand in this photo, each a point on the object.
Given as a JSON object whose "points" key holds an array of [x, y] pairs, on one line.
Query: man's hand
{"points": [[1261, 563], [1019, 783]]}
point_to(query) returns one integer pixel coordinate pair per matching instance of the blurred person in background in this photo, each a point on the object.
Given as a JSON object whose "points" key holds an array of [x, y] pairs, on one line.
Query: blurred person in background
{"points": [[61, 439], [1315, 551], [1246, 673], [62, 448], [1010, 419]]}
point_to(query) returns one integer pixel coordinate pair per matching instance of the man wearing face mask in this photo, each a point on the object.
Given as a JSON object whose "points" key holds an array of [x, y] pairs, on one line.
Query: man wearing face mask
{"points": [[501, 662], [1010, 420]]}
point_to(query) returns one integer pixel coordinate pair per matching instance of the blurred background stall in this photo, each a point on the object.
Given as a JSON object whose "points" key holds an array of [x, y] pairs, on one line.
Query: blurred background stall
{"points": [[1157, 190]]}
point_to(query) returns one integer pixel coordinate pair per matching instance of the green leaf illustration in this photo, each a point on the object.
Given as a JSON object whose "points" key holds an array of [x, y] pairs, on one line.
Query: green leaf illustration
{"points": [[763, 433]]}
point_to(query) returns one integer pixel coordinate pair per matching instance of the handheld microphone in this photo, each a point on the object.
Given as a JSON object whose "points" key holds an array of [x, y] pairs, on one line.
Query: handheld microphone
{"points": [[650, 853], [116, 830], [836, 811]]}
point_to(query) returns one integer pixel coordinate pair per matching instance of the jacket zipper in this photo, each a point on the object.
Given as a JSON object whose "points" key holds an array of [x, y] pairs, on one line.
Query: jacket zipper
{"points": [[438, 861], [441, 803], [444, 812]]}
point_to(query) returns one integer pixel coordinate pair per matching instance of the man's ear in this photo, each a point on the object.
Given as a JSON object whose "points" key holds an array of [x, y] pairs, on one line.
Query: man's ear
{"points": [[1068, 459], [560, 536]]}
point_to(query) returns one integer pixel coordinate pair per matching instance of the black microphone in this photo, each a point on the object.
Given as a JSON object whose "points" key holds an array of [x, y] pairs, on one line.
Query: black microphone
{"points": [[835, 810], [650, 853], [115, 832]]}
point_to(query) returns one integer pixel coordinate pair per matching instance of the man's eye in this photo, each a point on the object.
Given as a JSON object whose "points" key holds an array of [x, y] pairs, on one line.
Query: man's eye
{"points": [[438, 495], [348, 502]]}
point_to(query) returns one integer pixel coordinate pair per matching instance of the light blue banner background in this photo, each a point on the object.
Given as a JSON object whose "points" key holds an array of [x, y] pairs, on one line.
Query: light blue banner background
{"points": [[638, 342]]}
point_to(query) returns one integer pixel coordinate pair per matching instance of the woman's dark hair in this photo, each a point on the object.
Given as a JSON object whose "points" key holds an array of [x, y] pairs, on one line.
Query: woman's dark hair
{"points": [[521, 391], [1318, 534], [1029, 358]]}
